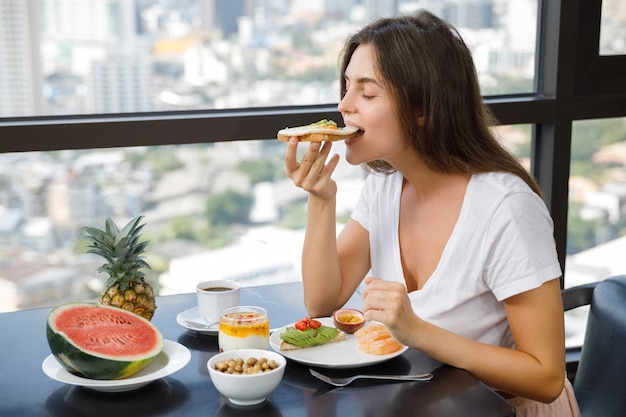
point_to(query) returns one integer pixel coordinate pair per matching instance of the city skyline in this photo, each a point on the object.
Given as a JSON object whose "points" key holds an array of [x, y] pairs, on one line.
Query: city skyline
{"points": [[125, 56]]}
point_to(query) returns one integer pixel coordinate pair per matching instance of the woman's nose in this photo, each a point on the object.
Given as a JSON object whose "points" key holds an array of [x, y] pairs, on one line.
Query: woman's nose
{"points": [[344, 105]]}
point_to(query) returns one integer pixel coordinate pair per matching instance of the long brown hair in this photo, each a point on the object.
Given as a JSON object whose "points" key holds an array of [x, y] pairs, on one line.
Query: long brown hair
{"points": [[430, 74]]}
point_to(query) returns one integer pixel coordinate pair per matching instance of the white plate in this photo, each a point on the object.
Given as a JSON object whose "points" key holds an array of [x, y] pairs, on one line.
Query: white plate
{"points": [[344, 354], [172, 358], [193, 315]]}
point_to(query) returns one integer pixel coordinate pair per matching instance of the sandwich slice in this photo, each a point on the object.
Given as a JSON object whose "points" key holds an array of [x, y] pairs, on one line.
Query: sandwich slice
{"points": [[322, 131]]}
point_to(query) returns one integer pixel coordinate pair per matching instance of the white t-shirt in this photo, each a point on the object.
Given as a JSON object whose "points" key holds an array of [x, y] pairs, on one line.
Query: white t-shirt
{"points": [[501, 245]]}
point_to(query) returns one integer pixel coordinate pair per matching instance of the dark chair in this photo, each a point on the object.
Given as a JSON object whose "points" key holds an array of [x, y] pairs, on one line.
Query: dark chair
{"points": [[599, 381]]}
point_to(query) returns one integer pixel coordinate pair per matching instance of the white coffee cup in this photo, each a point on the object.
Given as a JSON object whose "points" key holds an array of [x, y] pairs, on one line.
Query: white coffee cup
{"points": [[214, 296]]}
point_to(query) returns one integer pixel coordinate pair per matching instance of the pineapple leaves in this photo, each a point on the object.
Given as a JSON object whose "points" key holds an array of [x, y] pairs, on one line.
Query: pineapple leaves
{"points": [[99, 237], [132, 225], [111, 228], [121, 249]]}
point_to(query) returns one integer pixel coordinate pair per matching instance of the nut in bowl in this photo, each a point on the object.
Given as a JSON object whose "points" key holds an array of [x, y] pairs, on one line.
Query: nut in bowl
{"points": [[242, 386], [348, 320]]}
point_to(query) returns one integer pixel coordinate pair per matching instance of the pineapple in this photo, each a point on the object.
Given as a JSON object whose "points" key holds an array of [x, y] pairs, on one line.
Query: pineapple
{"points": [[126, 286]]}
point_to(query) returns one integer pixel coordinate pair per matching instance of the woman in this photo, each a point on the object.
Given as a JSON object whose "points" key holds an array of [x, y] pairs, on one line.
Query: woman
{"points": [[451, 229]]}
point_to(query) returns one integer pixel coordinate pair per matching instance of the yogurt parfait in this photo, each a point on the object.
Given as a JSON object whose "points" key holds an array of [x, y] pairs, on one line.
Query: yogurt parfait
{"points": [[244, 327]]}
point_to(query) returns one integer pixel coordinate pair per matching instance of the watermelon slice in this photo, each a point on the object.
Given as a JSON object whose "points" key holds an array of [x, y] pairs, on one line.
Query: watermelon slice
{"points": [[101, 342]]}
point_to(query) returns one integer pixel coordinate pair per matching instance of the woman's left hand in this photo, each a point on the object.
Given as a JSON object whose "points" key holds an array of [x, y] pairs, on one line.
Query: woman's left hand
{"points": [[388, 302]]}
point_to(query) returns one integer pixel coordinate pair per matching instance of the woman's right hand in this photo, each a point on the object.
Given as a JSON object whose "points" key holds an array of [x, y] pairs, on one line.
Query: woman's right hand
{"points": [[312, 174]]}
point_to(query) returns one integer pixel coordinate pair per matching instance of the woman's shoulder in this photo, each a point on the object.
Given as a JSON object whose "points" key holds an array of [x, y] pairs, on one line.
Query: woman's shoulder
{"points": [[500, 183], [497, 191]]}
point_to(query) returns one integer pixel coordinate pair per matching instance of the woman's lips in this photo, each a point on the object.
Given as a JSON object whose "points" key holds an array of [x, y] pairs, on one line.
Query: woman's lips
{"points": [[354, 138]]}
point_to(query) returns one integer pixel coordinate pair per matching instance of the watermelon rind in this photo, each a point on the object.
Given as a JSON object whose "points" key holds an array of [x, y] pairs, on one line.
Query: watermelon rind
{"points": [[124, 329]]}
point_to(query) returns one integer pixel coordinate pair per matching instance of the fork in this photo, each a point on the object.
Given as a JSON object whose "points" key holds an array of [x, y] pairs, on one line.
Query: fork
{"points": [[342, 382]]}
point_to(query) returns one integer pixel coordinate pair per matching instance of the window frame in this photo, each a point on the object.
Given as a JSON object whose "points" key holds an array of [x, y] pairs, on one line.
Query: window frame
{"points": [[574, 82]]}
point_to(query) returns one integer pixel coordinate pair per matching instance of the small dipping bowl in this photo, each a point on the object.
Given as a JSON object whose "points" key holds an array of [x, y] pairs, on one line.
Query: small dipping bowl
{"points": [[247, 389], [348, 320]]}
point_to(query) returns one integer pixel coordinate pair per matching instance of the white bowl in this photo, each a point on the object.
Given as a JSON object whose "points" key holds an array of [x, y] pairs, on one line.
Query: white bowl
{"points": [[247, 389]]}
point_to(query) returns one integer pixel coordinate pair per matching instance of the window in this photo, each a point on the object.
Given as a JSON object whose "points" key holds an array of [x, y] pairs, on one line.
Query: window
{"points": [[597, 189], [597, 209], [613, 28]]}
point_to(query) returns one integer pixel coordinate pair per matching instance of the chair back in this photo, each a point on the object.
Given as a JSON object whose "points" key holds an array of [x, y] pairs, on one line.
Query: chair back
{"points": [[600, 383]]}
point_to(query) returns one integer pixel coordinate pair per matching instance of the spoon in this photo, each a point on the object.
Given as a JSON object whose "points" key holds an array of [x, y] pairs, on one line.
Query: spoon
{"points": [[199, 325]]}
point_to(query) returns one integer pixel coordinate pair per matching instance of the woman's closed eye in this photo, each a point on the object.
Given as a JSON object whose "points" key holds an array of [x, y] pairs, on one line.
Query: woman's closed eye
{"points": [[367, 95]]}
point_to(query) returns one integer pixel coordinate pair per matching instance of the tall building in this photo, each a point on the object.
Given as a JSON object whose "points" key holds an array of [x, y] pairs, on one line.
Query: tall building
{"points": [[97, 40], [470, 14], [223, 15], [381, 8], [109, 23], [20, 74], [122, 84]]}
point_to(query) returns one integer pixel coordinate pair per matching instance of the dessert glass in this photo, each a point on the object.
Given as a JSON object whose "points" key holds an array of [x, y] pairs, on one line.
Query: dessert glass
{"points": [[244, 327]]}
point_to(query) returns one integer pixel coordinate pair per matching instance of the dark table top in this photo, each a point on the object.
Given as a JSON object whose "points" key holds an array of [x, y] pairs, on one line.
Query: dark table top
{"points": [[26, 391]]}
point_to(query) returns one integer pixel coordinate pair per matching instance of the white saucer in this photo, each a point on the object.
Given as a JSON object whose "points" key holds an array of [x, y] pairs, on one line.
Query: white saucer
{"points": [[172, 358], [193, 315]]}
